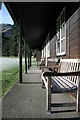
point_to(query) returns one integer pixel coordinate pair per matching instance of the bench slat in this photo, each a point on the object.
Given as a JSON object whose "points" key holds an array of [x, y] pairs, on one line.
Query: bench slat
{"points": [[63, 83], [58, 83]]}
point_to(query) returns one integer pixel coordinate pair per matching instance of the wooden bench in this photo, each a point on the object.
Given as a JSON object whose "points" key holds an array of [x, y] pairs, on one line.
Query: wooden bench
{"points": [[67, 77], [42, 63], [50, 64]]}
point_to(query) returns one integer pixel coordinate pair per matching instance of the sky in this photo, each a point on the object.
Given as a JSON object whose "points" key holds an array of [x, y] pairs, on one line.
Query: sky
{"points": [[5, 16]]}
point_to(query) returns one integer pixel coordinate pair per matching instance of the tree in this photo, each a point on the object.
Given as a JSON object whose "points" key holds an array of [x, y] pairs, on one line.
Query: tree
{"points": [[10, 43]]}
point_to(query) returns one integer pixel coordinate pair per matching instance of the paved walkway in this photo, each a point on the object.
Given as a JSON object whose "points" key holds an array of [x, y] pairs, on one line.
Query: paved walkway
{"points": [[28, 100]]}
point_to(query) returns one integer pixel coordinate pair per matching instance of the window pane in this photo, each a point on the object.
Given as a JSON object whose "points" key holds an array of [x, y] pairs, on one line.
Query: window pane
{"points": [[62, 31], [58, 24], [63, 45], [61, 19], [58, 47], [58, 36]]}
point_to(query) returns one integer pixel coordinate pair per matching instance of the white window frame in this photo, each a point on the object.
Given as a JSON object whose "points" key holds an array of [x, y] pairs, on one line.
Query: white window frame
{"points": [[48, 49], [44, 51], [58, 53], [42, 54]]}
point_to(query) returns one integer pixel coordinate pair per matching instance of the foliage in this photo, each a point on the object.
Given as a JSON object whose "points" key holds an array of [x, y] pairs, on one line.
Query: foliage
{"points": [[10, 44]]}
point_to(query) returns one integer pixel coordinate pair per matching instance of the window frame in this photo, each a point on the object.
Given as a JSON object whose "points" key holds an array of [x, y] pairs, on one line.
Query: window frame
{"points": [[59, 29], [48, 49]]}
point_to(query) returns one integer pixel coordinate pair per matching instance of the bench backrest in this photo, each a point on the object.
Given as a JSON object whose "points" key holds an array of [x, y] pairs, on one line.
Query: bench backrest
{"points": [[70, 65]]}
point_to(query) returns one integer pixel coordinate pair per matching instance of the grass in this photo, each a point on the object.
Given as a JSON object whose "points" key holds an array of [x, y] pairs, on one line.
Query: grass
{"points": [[34, 63], [0, 84], [9, 77]]}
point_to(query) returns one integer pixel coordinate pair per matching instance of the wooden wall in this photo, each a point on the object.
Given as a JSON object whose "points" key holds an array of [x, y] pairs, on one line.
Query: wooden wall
{"points": [[53, 47], [72, 38], [38, 55]]}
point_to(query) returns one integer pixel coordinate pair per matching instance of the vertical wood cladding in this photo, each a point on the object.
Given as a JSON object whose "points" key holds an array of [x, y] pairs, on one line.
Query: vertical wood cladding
{"points": [[72, 38], [38, 55], [74, 35], [53, 47]]}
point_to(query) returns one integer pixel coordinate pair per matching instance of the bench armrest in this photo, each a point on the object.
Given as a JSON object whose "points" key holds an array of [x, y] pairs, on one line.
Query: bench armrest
{"points": [[47, 74], [52, 68]]}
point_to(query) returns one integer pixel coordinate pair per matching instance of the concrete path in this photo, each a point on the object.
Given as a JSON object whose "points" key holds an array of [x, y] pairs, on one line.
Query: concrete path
{"points": [[28, 100]]}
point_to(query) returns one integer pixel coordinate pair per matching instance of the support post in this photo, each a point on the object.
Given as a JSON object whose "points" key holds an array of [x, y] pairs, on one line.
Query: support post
{"points": [[46, 57], [25, 56], [78, 97], [20, 56], [48, 95], [28, 59]]}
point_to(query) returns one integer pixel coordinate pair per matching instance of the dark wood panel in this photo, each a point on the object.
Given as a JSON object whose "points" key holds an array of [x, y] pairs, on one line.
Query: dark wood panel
{"points": [[79, 40], [74, 34], [67, 25], [67, 39], [74, 56], [74, 42], [74, 26], [73, 49], [73, 31], [53, 48], [38, 55], [79, 55], [79, 22], [67, 33], [79, 31], [74, 17], [67, 50], [75, 53], [79, 47]]}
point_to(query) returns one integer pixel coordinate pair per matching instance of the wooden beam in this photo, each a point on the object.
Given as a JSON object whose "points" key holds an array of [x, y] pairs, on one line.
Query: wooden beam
{"points": [[48, 96], [25, 51], [47, 74], [20, 56], [0, 5]]}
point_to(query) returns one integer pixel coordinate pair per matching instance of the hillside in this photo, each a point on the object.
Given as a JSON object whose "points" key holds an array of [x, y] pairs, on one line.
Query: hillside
{"points": [[9, 40], [6, 30]]}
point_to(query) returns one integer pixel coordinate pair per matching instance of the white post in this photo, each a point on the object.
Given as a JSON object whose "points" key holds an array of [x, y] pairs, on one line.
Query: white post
{"points": [[78, 97], [46, 55], [48, 96], [46, 60]]}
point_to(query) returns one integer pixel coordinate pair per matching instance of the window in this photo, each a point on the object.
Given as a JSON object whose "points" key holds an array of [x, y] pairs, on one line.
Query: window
{"points": [[48, 46], [42, 53], [48, 49], [61, 34]]}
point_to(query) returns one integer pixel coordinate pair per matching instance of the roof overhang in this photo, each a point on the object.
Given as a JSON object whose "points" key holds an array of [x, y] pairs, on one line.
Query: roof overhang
{"points": [[38, 18]]}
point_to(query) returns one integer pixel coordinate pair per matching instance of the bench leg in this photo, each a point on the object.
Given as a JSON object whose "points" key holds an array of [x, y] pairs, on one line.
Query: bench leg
{"points": [[43, 85], [48, 96], [78, 97]]}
